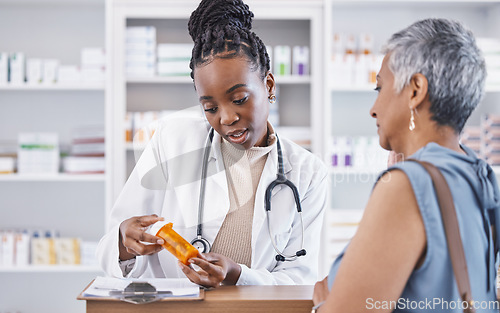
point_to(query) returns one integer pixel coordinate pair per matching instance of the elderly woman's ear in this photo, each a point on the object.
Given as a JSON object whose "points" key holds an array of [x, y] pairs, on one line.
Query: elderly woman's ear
{"points": [[418, 87]]}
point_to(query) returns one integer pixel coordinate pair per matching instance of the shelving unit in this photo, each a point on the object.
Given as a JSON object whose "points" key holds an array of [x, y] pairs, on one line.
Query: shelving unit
{"points": [[79, 204], [47, 269], [346, 108], [73, 205], [52, 178], [82, 87], [300, 23]]}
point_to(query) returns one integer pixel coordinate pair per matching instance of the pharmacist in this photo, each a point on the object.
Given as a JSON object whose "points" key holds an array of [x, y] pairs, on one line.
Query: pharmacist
{"points": [[211, 173]]}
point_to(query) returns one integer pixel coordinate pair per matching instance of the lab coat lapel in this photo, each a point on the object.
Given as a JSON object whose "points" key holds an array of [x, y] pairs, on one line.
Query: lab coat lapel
{"points": [[269, 174], [217, 193]]}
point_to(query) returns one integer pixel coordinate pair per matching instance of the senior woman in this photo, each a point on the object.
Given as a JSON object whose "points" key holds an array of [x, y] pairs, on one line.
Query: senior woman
{"points": [[431, 79]]}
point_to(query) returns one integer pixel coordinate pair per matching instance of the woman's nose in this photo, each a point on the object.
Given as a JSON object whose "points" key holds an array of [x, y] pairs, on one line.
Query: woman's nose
{"points": [[372, 112], [228, 117]]}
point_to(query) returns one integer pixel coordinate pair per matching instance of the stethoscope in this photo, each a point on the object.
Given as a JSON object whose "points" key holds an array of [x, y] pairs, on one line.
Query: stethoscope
{"points": [[204, 246]]}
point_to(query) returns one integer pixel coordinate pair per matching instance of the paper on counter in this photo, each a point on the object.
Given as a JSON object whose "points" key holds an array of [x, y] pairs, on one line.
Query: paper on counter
{"points": [[178, 286]]}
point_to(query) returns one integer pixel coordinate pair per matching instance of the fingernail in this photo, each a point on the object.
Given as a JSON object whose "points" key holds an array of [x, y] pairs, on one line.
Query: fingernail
{"points": [[191, 261], [160, 241]]}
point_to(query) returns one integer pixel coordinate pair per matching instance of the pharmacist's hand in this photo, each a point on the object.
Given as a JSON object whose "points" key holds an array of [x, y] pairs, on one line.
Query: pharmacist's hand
{"points": [[133, 237], [321, 291], [215, 270]]}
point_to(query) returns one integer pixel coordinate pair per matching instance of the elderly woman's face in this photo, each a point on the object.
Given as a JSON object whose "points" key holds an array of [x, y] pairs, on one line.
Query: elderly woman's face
{"points": [[391, 110]]}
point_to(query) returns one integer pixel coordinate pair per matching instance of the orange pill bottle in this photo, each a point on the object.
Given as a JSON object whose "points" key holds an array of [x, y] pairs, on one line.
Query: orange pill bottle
{"points": [[177, 245]]}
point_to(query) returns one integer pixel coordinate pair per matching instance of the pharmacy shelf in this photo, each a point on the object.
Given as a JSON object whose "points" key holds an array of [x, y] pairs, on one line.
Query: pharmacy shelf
{"points": [[370, 88], [50, 269], [52, 178], [82, 86], [282, 80]]}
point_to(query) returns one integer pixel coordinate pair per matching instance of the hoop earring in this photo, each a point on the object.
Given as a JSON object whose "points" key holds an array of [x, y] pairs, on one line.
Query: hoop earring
{"points": [[272, 99], [412, 121]]}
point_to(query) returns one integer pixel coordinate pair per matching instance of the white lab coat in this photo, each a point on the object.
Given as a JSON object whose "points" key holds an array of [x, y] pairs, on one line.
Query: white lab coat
{"points": [[166, 181]]}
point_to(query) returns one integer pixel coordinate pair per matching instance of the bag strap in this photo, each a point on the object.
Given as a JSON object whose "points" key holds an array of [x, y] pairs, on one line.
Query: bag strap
{"points": [[452, 231]]}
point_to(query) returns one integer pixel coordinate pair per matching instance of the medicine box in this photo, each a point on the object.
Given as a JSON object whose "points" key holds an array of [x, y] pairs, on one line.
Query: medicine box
{"points": [[17, 66], [50, 70], [4, 68], [34, 71], [38, 153], [300, 60], [68, 74], [282, 60]]}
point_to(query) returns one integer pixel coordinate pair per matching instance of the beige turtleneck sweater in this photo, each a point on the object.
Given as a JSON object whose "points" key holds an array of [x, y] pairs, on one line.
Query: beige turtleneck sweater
{"points": [[243, 171]]}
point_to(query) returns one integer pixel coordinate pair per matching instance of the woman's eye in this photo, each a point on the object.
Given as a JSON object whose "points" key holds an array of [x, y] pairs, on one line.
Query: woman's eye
{"points": [[211, 110], [240, 101], [377, 89]]}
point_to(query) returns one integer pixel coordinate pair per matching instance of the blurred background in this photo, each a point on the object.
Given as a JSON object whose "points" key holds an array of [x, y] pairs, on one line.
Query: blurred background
{"points": [[82, 83]]}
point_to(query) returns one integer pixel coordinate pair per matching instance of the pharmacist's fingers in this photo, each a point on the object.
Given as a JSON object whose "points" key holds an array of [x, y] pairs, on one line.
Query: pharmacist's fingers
{"points": [[192, 275], [148, 220], [138, 248], [213, 270]]}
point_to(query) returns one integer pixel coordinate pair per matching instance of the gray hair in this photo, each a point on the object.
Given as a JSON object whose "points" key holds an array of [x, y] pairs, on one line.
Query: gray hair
{"points": [[445, 52]]}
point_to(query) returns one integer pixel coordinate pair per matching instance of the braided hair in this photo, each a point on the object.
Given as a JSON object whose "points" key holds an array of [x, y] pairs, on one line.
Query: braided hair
{"points": [[222, 29]]}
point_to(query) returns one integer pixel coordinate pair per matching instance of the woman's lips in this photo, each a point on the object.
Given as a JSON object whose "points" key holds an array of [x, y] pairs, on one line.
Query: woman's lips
{"points": [[238, 137]]}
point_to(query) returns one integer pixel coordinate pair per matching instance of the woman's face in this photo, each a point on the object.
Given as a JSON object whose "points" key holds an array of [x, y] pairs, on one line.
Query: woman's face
{"points": [[391, 110], [235, 100]]}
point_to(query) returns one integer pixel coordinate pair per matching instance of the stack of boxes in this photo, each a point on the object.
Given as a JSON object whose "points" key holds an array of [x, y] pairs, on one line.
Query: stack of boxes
{"points": [[353, 63], [87, 152], [38, 153], [16, 69], [140, 51], [490, 143], [140, 126], [23, 248], [360, 153], [93, 61], [173, 59], [285, 63], [484, 140], [471, 137]]}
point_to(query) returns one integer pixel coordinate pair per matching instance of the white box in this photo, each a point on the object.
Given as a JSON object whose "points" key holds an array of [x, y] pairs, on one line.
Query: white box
{"points": [[34, 71], [174, 68], [175, 51], [67, 251], [38, 153], [22, 246], [87, 253], [84, 164], [140, 57], [93, 75], [93, 57], [8, 248], [50, 71], [68, 74], [17, 68], [7, 165], [144, 32], [4, 68], [282, 60], [300, 60]]}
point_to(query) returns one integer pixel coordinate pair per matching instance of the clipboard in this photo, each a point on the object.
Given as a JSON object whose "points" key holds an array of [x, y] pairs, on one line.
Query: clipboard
{"points": [[162, 298]]}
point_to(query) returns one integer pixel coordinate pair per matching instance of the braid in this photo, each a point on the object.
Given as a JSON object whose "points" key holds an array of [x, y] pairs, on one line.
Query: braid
{"points": [[222, 29]]}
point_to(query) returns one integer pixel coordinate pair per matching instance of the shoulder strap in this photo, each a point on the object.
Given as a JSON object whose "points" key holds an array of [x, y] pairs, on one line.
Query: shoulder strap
{"points": [[452, 231]]}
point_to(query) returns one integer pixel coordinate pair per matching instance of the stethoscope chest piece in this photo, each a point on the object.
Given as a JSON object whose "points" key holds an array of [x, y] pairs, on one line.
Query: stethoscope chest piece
{"points": [[201, 244]]}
